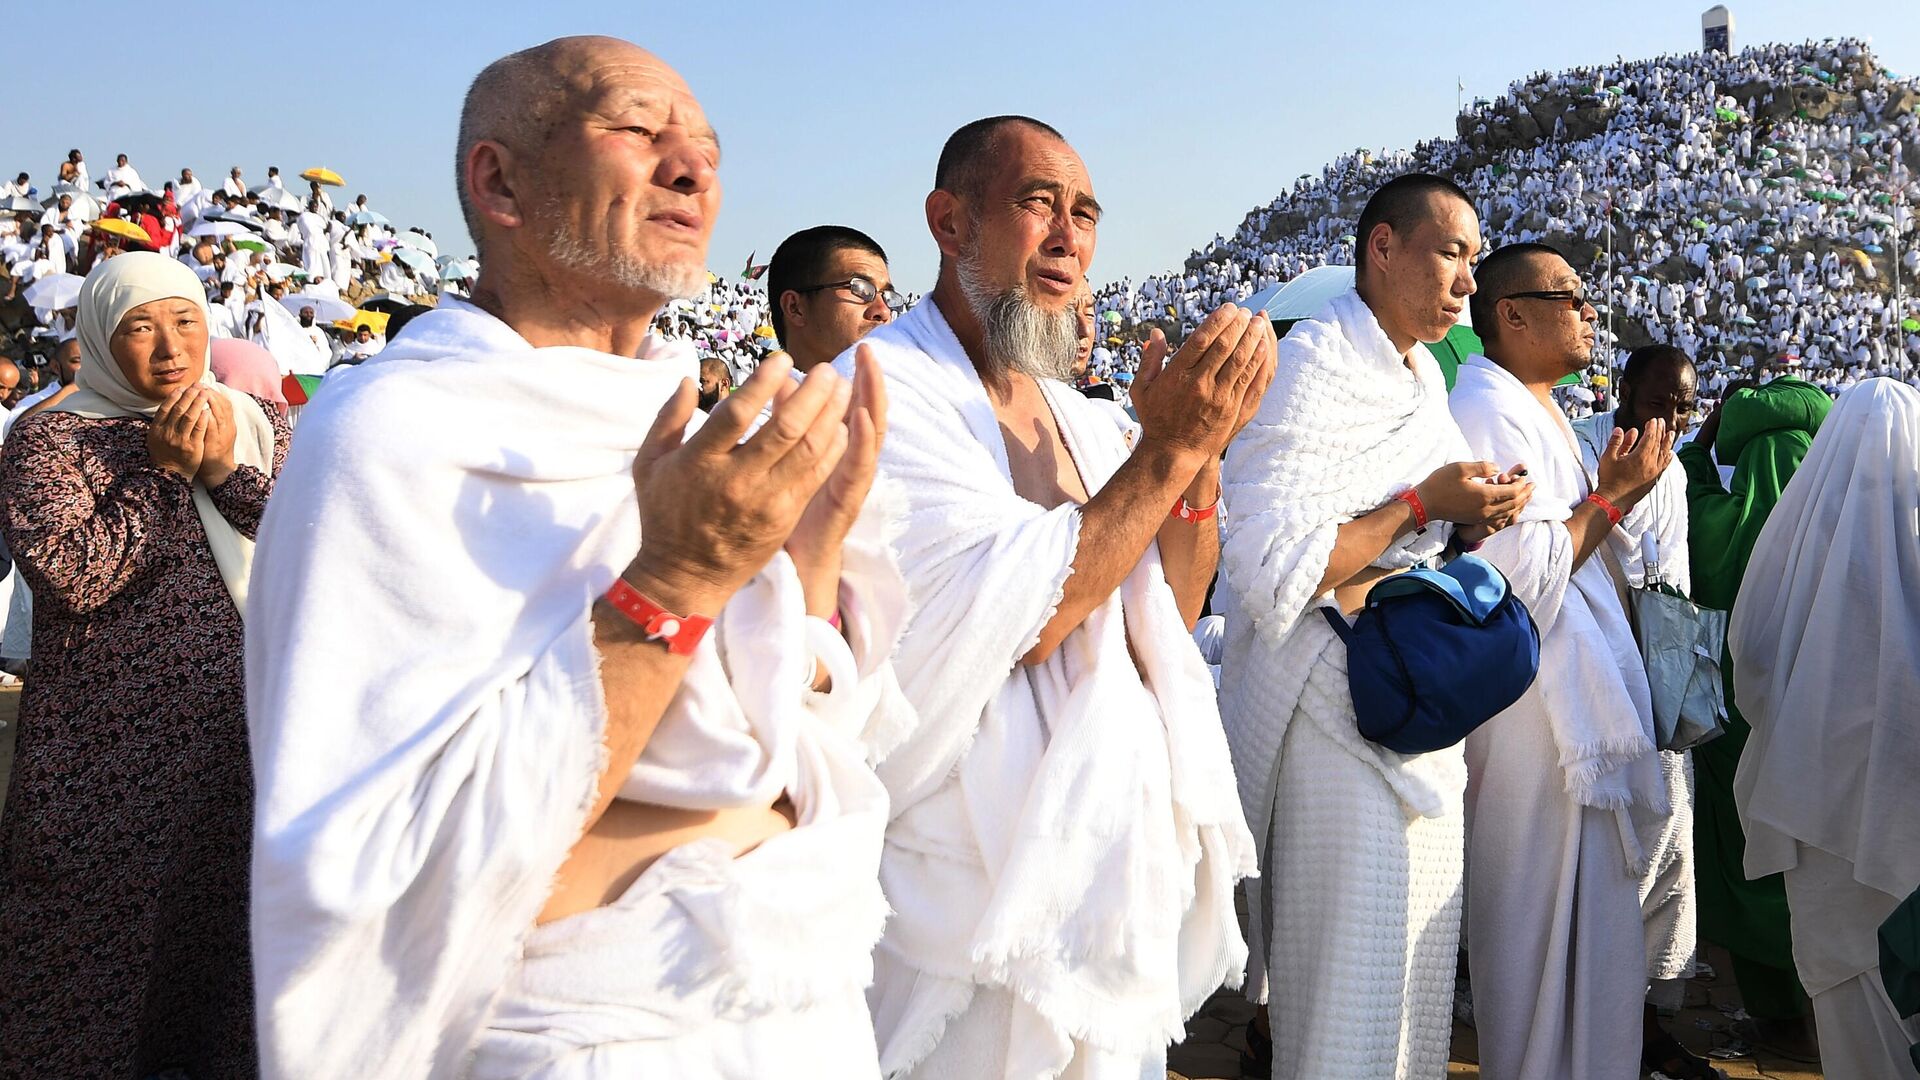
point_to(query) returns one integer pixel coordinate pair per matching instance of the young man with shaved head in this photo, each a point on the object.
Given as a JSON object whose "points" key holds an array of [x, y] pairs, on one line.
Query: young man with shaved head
{"points": [[575, 790], [1064, 840], [1562, 778], [1353, 470]]}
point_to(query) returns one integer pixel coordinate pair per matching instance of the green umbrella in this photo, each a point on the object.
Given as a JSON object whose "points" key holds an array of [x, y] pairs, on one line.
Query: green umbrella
{"points": [[1769, 152], [1910, 325], [248, 243], [1727, 115], [1698, 223]]}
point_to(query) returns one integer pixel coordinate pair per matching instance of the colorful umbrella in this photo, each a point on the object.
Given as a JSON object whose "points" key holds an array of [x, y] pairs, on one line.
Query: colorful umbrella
{"points": [[248, 242], [375, 320], [323, 176], [124, 229]]}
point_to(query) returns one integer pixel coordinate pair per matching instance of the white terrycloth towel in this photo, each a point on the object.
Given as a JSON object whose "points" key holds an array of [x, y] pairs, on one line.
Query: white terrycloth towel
{"points": [[1086, 860], [423, 690], [1344, 428], [1592, 685]]}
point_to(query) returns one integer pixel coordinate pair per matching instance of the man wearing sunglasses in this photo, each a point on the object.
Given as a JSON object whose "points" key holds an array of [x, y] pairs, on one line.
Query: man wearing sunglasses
{"points": [[828, 286], [1554, 861]]}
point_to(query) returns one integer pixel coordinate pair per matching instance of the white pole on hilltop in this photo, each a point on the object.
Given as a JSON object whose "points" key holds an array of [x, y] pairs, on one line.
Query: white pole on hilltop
{"points": [[1899, 335], [1459, 94]]}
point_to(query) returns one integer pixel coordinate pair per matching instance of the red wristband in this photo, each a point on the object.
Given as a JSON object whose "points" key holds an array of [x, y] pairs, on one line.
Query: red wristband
{"points": [[681, 634], [1196, 514], [1613, 512], [1412, 498]]}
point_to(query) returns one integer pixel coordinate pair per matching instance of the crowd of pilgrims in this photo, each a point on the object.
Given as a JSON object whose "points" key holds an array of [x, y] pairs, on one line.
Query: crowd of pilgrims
{"points": [[183, 895]]}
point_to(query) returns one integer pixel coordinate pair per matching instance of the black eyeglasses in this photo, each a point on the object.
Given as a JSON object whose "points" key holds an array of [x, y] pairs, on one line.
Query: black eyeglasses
{"points": [[863, 290], [1575, 300]]}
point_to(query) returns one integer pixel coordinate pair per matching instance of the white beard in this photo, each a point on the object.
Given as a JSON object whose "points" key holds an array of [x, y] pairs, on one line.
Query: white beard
{"points": [[1018, 335]]}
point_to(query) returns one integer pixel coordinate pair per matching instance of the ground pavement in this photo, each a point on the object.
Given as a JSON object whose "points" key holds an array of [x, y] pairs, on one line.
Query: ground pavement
{"points": [[1217, 1034]]}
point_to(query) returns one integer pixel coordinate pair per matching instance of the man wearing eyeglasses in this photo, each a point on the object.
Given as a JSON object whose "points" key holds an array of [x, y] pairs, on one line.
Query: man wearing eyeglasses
{"points": [[828, 286], [1554, 859]]}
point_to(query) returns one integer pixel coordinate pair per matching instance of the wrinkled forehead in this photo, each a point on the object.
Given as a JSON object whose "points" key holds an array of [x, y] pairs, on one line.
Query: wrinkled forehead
{"points": [[612, 77], [1029, 156]]}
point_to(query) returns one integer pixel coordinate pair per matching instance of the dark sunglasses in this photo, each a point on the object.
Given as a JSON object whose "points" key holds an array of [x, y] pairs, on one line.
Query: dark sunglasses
{"points": [[864, 291], [1574, 300]]}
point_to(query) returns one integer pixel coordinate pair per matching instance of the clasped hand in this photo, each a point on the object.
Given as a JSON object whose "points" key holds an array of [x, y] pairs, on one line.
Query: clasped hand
{"points": [[714, 508], [191, 435]]}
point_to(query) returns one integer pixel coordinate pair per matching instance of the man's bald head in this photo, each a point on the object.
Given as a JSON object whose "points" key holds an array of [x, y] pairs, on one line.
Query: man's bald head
{"points": [[520, 99]]}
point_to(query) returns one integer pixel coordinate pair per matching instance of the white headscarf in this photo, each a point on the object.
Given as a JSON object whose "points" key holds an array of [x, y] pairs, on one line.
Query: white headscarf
{"points": [[114, 288], [1826, 650]]}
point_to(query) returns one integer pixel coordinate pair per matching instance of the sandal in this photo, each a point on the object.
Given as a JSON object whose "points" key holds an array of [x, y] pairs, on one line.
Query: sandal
{"points": [[1257, 1058], [1750, 1032]]}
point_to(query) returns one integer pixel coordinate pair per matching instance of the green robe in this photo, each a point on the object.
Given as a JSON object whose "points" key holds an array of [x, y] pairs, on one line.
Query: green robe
{"points": [[1900, 961], [1765, 433]]}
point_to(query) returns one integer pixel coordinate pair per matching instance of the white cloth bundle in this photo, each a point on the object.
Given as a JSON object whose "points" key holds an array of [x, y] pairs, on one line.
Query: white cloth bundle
{"points": [[1826, 650], [423, 687], [1085, 857], [1592, 685]]}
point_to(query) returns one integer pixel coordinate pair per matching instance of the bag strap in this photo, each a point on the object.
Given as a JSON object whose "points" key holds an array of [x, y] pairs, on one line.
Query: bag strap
{"points": [[1341, 627]]}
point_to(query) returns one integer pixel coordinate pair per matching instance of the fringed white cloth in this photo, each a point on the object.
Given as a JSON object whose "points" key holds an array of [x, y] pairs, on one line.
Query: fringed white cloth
{"points": [[1592, 692], [425, 703], [1064, 832]]}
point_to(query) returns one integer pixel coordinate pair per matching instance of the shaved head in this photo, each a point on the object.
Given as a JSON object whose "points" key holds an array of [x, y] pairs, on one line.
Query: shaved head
{"points": [[520, 99]]}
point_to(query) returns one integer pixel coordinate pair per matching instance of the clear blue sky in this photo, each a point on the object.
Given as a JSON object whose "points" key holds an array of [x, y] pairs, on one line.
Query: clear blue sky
{"points": [[1187, 114]]}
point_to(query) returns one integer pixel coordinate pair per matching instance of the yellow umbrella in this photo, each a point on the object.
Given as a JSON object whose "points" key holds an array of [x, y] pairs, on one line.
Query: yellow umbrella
{"points": [[1599, 380], [121, 227], [377, 320], [763, 331], [323, 176]]}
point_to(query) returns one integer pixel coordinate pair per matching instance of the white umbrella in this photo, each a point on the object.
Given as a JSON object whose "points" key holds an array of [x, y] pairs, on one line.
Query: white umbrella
{"points": [[325, 308], [413, 239], [281, 271], [55, 291], [367, 217], [282, 199], [220, 228], [455, 271], [19, 204], [413, 259], [87, 205]]}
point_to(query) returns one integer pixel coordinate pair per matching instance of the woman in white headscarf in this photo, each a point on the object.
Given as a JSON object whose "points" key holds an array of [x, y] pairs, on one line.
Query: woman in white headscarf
{"points": [[124, 850], [1826, 664]]}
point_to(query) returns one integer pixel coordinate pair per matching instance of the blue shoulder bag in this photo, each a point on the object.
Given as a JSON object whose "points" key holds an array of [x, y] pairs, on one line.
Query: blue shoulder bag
{"points": [[1436, 653]]}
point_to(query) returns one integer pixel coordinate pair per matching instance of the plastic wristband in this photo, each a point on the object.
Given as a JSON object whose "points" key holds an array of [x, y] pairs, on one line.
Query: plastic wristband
{"points": [[681, 634], [1613, 512], [1412, 499], [1195, 514]]}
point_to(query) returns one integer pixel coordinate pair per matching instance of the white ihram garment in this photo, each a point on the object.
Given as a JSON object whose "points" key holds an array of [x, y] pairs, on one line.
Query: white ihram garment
{"points": [[1668, 900], [1065, 841], [1554, 857], [1826, 665], [1361, 847], [427, 722]]}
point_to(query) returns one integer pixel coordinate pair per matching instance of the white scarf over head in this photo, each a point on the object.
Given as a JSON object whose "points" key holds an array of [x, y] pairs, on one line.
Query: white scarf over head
{"points": [[114, 288], [1344, 428], [1098, 794], [1826, 650], [424, 696], [1592, 683]]}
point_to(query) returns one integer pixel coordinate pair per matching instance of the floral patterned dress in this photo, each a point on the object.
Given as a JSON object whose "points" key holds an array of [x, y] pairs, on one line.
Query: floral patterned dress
{"points": [[125, 842]]}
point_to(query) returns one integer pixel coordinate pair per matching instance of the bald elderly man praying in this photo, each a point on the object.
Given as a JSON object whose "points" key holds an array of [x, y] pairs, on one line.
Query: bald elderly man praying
{"points": [[553, 700]]}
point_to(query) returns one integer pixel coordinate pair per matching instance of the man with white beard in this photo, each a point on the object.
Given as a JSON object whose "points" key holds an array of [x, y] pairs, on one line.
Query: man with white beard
{"points": [[569, 807], [1064, 837]]}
